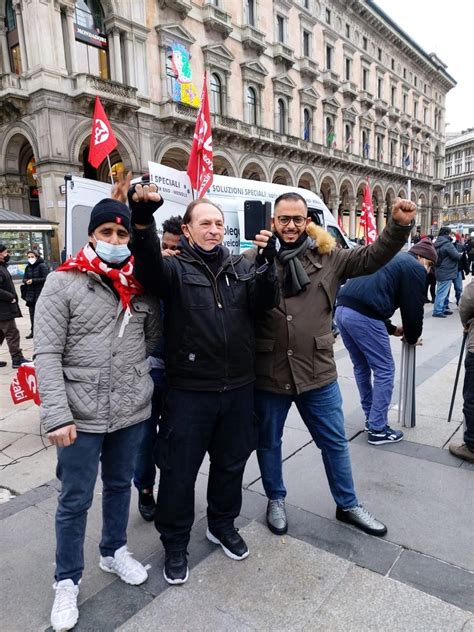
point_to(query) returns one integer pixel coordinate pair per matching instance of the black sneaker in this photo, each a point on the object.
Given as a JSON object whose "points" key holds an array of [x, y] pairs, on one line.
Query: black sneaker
{"points": [[231, 542], [29, 336], [448, 312], [176, 567], [17, 362], [2, 363], [146, 505]]}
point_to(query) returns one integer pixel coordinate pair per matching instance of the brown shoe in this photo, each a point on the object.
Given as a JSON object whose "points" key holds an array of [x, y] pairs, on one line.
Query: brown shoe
{"points": [[462, 451]]}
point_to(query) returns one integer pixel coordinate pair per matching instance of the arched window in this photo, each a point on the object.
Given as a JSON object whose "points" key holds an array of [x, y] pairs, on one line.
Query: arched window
{"points": [[330, 132], [252, 106], [91, 42], [217, 101], [307, 124], [281, 117], [250, 12], [12, 39], [365, 143], [348, 140]]}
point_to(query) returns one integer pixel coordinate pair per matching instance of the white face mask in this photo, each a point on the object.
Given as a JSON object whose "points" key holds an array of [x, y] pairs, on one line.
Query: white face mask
{"points": [[112, 253], [31, 260]]}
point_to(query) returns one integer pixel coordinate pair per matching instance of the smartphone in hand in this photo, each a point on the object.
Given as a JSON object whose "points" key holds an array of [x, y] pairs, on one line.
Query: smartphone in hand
{"points": [[257, 216]]}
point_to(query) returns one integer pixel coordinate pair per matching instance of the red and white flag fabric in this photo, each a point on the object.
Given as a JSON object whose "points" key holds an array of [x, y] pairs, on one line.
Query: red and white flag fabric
{"points": [[24, 385], [200, 166], [103, 139], [367, 217]]}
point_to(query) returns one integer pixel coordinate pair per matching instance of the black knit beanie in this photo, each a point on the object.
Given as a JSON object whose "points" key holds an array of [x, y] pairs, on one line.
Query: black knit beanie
{"points": [[108, 210]]}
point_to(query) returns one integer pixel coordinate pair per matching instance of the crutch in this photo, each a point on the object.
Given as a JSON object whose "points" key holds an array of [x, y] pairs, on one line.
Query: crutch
{"points": [[461, 356]]}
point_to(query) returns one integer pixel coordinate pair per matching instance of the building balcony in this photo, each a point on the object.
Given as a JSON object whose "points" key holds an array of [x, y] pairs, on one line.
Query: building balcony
{"points": [[87, 87], [216, 19], [405, 120], [381, 107], [283, 54], [394, 114], [13, 97], [349, 90], [416, 126], [426, 131], [183, 7], [253, 39], [309, 68], [330, 80], [366, 99]]}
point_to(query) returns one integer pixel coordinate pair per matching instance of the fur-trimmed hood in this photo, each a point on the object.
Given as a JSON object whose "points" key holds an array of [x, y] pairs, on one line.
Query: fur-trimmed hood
{"points": [[324, 242]]}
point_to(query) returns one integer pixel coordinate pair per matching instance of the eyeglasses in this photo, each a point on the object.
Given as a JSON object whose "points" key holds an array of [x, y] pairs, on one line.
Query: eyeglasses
{"points": [[297, 220]]}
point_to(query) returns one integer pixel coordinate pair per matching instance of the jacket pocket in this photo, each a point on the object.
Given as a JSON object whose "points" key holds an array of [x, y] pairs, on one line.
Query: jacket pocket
{"points": [[143, 383], [265, 357], [82, 385], [323, 354], [197, 291]]}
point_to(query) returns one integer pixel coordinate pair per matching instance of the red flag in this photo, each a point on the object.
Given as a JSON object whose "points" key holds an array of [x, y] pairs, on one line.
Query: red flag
{"points": [[24, 385], [367, 218], [103, 139], [200, 167]]}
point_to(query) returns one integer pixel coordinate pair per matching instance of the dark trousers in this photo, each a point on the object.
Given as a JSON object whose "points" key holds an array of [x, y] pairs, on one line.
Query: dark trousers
{"points": [[431, 285], [145, 469], [468, 394], [77, 469], [32, 315], [9, 332], [193, 423]]}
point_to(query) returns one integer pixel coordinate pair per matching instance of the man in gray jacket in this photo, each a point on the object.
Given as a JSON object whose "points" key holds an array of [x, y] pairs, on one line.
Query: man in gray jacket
{"points": [[93, 329], [446, 270]]}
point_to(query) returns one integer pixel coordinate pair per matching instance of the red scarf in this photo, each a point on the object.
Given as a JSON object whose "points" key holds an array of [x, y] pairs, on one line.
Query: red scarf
{"points": [[122, 279]]}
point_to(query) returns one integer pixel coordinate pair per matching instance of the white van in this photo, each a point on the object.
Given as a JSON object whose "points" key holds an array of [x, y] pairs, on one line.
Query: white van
{"points": [[174, 186]]}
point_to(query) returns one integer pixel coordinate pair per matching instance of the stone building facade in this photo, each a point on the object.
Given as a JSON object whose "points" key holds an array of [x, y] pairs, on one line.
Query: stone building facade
{"points": [[458, 202], [317, 94]]}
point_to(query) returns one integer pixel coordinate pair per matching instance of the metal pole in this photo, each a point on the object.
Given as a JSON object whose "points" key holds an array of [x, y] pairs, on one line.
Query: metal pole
{"points": [[461, 355], [402, 381], [409, 197], [110, 170]]}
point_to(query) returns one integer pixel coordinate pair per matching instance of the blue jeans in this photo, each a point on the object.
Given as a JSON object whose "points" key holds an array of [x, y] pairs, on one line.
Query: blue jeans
{"points": [[458, 286], [442, 296], [145, 469], [368, 343], [77, 469], [321, 411]]}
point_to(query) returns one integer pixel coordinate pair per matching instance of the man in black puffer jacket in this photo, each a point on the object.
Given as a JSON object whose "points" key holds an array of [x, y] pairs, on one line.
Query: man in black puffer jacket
{"points": [[364, 308], [446, 270], [211, 299]]}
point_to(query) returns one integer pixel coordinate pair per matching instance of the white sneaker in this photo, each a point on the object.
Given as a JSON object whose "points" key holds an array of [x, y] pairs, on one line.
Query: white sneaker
{"points": [[65, 614], [122, 564]]}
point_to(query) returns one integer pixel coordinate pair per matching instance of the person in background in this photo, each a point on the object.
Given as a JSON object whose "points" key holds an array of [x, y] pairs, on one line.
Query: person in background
{"points": [[34, 279], [463, 267], [430, 280], [446, 270], [93, 330], [171, 234], [364, 308], [466, 312], [9, 310], [145, 469]]}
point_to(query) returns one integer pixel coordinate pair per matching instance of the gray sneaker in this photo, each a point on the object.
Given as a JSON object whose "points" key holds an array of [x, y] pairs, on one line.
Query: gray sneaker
{"points": [[277, 521], [361, 518]]}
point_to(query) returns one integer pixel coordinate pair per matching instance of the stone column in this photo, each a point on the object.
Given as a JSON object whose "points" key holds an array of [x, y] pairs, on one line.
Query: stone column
{"points": [[130, 59], [21, 37], [380, 217], [352, 219], [334, 202], [117, 56], [71, 36], [5, 67]]}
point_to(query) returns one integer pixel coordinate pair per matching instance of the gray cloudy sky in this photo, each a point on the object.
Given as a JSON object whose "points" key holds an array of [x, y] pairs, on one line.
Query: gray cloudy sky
{"points": [[445, 28]]}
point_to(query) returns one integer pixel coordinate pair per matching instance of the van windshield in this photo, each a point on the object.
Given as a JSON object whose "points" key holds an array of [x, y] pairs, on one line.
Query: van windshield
{"points": [[316, 215]]}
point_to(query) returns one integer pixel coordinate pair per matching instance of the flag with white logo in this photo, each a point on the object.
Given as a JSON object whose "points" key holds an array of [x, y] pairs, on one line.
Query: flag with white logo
{"points": [[200, 166], [367, 217], [24, 385], [103, 139]]}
